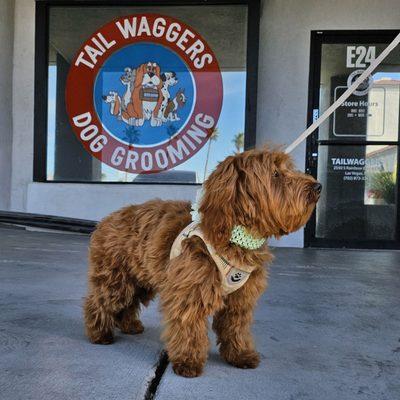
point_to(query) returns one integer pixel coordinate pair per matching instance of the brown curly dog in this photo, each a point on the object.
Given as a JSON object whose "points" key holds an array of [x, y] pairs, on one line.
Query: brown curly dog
{"points": [[130, 259]]}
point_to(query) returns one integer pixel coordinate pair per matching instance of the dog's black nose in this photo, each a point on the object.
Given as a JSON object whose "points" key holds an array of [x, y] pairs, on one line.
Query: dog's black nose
{"points": [[151, 74], [317, 187]]}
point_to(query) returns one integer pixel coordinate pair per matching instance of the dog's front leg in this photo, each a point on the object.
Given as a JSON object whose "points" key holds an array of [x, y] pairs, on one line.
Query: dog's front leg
{"points": [[187, 343], [190, 293], [232, 324]]}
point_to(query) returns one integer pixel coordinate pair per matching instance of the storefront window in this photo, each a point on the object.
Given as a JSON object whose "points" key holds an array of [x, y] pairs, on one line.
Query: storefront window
{"points": [[155, 94]]}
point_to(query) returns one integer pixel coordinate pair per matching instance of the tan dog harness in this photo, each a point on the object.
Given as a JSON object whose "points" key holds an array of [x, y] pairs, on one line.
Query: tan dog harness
{"points": [[232, 278]]}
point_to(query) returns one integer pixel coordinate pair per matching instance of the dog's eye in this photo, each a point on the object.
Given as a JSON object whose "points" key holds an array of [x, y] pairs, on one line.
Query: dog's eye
{"points": [[275, 174]]}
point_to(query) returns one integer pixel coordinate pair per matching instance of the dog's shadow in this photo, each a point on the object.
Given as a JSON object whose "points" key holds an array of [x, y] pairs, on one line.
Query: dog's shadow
{"points": [[62, 322], [215, 358]]}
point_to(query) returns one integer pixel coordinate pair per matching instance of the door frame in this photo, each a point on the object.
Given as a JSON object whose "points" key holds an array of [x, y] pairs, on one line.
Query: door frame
{"points": [[311, 163]]}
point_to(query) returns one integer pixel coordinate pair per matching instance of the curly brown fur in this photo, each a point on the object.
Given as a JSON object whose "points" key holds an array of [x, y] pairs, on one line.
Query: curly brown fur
{"points": [[129, 260]]}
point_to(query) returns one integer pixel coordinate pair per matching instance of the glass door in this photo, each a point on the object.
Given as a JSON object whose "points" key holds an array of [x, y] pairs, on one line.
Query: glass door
{"points": [[355, 154]]}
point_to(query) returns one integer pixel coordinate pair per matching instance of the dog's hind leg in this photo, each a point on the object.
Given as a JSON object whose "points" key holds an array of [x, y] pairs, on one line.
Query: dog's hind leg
{"points": [[109, 295], [99, 321], [128, 319]]}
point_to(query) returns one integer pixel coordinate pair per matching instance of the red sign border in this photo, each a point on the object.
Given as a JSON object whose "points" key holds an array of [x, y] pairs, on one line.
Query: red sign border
{"points": [[81, 79]]}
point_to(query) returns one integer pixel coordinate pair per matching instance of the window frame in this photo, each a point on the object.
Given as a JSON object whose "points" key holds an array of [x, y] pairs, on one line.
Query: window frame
{"points": [[41, 75]]}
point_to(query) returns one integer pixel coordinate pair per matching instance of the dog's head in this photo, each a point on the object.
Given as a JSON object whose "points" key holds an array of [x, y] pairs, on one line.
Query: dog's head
{"points": [[147, 75], [151, 75], [180, 97], [128, 76], [169, 78], [260, 190], [110, 97]]}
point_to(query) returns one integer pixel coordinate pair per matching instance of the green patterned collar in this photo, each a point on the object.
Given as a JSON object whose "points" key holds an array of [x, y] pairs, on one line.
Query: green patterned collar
{"points": [[243, 238], [239, 236]]}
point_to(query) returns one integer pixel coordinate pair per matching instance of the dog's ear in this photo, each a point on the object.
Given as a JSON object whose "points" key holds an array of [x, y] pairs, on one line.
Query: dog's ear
{"points": [[218, 203], [139, 74], [163, 77]]}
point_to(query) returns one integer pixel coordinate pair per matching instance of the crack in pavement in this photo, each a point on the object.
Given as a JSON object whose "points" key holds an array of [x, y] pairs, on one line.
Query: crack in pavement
{"points": [[159, 370]]}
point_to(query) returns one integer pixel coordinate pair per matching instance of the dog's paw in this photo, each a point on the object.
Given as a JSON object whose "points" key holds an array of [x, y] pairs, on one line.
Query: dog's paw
{"points": [[247, 359], [156, 122], [137, 327], [188, 370], [103, 339], [133, 328]]}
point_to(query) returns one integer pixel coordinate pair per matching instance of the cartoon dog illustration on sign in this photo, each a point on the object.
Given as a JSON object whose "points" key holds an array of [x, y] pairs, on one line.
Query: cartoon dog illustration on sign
{"points": [[169, 79], [128, 80], [114, 100], [147, 96], [171, 111]]}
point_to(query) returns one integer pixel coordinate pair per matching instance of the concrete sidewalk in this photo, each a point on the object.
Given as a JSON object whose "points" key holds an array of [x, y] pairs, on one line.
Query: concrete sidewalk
{"points": [[327, 328]]}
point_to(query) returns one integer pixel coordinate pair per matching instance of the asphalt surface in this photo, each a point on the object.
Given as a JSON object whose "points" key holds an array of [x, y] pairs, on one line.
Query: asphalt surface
{"points": [[328, 327]]}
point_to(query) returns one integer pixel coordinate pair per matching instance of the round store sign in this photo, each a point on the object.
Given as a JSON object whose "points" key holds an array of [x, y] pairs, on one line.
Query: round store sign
{"points": [[144, 93]]}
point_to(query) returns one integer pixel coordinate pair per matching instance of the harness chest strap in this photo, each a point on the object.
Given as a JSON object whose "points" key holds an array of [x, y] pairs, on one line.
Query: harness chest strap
{"points": [[232, 278]]}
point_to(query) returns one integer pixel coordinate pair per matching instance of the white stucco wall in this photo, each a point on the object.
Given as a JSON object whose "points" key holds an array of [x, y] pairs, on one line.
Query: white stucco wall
{"points": [[6, 65], [23, 94], [282, 100], [94, 201]]}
